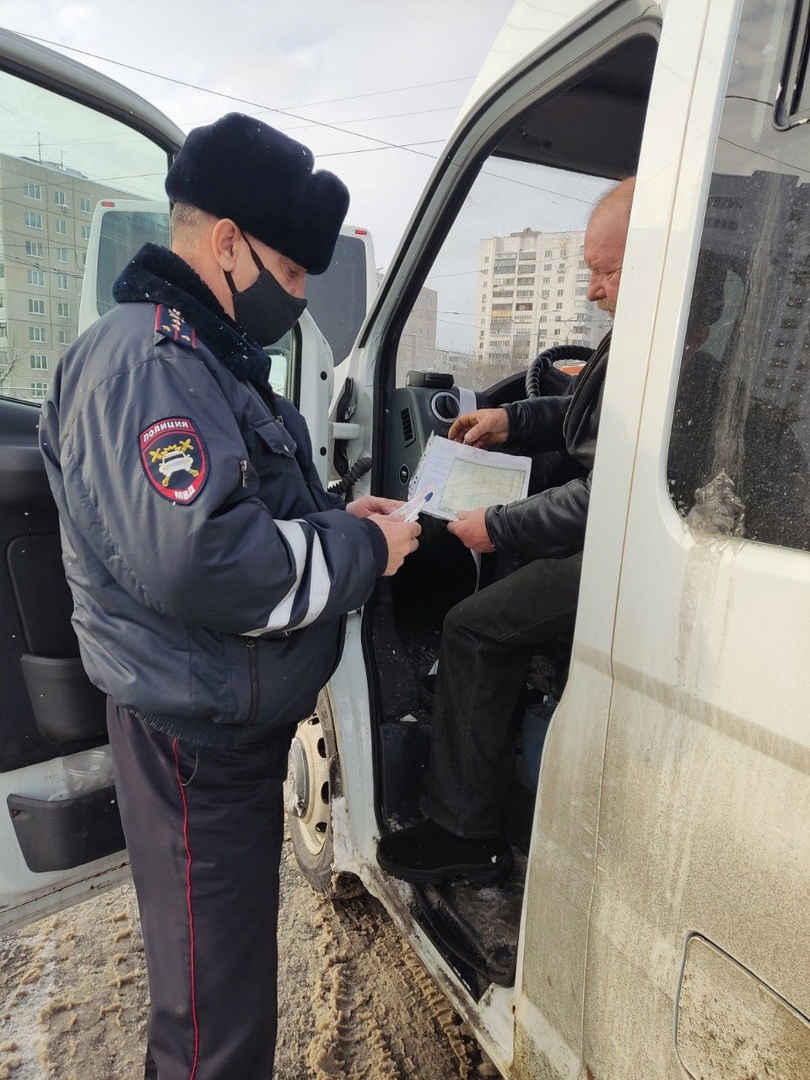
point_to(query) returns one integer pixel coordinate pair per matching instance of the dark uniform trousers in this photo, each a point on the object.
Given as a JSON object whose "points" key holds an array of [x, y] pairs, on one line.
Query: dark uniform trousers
{"points": [[204, 832], [486, 645]]}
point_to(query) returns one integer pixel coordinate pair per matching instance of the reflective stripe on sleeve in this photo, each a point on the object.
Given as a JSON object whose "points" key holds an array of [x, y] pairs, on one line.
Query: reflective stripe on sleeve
{"points": [[310, 590]]}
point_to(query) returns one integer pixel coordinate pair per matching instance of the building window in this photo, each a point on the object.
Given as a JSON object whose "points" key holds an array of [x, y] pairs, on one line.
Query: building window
{"points": [[36, 307], [486, 258], [544, 294], [38, 390], [544, 307], [548, 253], [558, 306], [546, 280], [37, 333], [32, 219], [61, 254], [64, 337], [39, 361], [561, 268], [3, 329], [32, 191], [560, 280], [60, 198], [560, 292], [64, 313], [525, 281], [33, 248], [583, 277], [87, 206], [581, 290], [61, 281], [61, 226], [556, 333], [542, 318], [85, 232], [36, 277]]}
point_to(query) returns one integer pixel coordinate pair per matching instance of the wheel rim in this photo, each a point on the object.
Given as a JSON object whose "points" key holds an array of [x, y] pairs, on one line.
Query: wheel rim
{"points": [[307, 790]]}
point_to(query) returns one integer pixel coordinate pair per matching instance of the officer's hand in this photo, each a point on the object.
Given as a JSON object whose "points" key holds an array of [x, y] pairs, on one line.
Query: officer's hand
{"points": [[484, 427], [372, 504], [471, 529], [401, 537]]}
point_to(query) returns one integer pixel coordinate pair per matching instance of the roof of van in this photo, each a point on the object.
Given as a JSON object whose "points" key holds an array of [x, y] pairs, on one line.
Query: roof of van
{"points": [[529, 25]]}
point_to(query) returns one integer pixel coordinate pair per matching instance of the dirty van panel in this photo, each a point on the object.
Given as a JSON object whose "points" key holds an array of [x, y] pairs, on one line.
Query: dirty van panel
{"points": [[706, 795]]}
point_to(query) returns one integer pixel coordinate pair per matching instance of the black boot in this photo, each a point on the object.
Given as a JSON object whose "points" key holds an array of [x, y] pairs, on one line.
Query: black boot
{"points": [[427, 854]]}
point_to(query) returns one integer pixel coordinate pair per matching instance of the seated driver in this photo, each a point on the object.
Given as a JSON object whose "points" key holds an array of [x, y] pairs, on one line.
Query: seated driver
{"points": [[489, 638]]}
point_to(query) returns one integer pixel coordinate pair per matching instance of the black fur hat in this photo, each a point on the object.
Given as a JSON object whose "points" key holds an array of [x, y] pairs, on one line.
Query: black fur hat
{"points": [[245, 170]]}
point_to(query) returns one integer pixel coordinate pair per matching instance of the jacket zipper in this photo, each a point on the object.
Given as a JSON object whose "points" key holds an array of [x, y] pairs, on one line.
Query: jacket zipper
{"points": [[243, 468], [254, 682]]}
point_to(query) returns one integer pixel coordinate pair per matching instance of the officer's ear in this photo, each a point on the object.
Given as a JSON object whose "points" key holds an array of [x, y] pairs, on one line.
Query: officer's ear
{"points": [[226, 236]]}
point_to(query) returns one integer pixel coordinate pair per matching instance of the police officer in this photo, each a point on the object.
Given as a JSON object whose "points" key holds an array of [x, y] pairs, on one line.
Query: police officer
{"points": [[210, 573]]}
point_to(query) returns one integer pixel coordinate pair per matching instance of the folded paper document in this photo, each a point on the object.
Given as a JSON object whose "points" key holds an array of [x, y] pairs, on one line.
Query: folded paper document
{"points": [[464, 478]]}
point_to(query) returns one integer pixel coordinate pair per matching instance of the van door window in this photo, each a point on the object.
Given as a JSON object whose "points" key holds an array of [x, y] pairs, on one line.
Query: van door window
{"points": [[740, 445], [337, 299], [510, 279], [57, 160]]}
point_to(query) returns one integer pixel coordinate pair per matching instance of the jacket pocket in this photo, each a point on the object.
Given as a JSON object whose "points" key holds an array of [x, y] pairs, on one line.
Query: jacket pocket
{"points": [[273, 435]]}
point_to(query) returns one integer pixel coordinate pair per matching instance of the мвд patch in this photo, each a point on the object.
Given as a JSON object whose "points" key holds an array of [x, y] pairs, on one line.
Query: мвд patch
{"points": [[174, 458]]}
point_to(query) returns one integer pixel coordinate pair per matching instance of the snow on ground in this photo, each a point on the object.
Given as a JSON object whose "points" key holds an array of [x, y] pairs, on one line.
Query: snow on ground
{"points": [[354, 1001]]}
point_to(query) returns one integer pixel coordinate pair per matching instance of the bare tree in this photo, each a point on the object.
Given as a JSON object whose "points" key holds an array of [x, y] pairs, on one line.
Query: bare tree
{"points": [[14, 354]]}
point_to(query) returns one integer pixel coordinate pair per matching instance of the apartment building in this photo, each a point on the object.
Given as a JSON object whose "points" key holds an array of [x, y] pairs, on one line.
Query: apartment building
{"points": [[45, 214], [532, 295], [417, 347]]}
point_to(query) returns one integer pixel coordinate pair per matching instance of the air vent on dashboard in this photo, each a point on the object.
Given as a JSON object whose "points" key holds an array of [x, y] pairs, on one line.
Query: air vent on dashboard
{"points": [[407, 426]]}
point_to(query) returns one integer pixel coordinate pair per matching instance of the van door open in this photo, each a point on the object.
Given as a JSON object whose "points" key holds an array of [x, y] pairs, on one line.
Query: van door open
{"points": [[59, 828], [74, 140]]}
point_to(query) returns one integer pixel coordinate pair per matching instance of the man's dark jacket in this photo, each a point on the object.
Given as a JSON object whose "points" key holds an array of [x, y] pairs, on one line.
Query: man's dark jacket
{"points": [[210, 571], [551, 524]]}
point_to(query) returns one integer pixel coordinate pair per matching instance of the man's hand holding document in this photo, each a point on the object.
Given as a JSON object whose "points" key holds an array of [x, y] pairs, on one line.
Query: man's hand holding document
{"points": [[463, 478]]}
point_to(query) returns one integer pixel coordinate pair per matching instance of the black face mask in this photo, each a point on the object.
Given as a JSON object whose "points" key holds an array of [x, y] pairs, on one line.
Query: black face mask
{"points": [[265, 311]]}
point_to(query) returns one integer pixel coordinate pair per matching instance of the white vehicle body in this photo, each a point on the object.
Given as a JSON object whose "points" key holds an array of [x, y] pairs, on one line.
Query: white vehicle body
{"points": [[663, 926]]}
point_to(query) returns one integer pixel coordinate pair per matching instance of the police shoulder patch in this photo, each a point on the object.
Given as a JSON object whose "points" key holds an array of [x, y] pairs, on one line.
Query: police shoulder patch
{"points": [[174, 459], [169, 323]]}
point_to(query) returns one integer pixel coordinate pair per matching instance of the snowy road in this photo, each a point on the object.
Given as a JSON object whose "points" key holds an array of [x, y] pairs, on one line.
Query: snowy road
{"points": [[354, 1001]]}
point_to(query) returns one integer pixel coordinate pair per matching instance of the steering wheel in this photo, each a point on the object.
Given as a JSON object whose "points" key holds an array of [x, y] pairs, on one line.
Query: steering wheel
{"points": [[542, 369]]}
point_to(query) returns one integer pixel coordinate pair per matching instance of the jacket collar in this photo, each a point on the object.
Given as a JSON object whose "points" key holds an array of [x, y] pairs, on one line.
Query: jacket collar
{"points": [[158, 276]]}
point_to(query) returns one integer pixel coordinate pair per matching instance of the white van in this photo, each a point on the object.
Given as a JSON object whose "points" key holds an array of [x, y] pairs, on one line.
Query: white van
{"points": [[656, 926]]}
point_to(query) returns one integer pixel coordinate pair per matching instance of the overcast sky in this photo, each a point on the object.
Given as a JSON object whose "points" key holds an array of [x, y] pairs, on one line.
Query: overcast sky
{"points": [[401, 69]]}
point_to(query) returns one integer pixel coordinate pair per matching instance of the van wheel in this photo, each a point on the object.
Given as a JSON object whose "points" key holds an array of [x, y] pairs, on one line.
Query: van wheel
{"points": [[313, 778]]}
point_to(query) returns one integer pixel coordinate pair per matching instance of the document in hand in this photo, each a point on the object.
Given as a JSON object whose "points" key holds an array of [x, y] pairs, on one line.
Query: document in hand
{"points": [[464, 478]]}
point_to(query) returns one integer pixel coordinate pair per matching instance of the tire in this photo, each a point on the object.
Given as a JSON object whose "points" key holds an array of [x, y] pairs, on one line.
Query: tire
{"points": [[313, 779]]}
